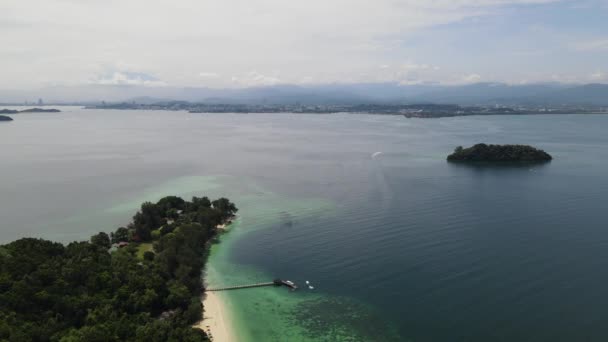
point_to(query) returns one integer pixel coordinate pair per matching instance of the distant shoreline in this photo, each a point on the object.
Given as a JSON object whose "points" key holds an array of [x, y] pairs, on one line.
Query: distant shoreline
{"points": [[422, 110], [503, 114]]}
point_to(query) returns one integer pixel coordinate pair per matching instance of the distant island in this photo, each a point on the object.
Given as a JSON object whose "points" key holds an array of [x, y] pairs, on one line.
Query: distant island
{"points": [[499, 154], [143, 282], [30, 110], [5, 118], [40, 110]]}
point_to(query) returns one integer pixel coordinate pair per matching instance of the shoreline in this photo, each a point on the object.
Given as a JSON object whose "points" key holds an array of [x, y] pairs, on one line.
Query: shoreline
{"points": [[224, 226], [216, 322]]}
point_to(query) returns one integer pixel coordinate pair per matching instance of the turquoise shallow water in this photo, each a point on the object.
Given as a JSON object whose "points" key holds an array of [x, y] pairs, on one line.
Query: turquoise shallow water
{"points": [[401, 247]]}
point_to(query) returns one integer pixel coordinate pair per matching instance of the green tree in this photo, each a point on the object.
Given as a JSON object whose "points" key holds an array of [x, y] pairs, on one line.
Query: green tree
{"points": [[198, 203], [168, 203], [179, 296], [225, 207], [194, 312], [148, 255], [101, 239], [122, 234], [147, 219], [208, 217], [80, 292]]}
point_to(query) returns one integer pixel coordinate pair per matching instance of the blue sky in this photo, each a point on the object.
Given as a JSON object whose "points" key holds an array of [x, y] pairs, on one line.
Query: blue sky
{"points": [[242, 43], [549, 42]]}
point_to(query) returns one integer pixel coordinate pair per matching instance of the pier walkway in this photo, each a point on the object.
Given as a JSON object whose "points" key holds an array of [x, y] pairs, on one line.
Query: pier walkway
{"points": [[276, 282]]}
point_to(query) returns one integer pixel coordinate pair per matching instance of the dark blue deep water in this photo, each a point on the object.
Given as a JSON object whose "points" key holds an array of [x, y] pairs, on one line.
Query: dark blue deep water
{"points": [[440, 252]]}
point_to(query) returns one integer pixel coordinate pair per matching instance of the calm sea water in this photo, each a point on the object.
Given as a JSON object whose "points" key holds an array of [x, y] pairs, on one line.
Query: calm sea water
{"points": [[403, 246]]}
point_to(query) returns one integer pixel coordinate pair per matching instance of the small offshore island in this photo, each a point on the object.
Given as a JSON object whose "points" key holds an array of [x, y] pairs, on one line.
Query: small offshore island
{"points": [[142, 282], [40, 110], [499, 154], [5, 118], [30, 110]]}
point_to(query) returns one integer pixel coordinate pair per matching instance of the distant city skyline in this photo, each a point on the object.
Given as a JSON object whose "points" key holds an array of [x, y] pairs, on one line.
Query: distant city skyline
{"points": [[245, 43]]}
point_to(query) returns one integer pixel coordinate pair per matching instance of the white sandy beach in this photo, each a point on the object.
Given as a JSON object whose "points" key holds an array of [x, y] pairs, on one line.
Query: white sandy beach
{"points": [[215, 319]]}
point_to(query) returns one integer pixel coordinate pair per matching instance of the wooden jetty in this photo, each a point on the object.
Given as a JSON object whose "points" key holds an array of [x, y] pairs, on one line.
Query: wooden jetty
{"points": [[276, 282]]}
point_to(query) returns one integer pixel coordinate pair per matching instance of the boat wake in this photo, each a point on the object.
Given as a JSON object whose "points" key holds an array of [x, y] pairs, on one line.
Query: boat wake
{"points": [[376, 154]]}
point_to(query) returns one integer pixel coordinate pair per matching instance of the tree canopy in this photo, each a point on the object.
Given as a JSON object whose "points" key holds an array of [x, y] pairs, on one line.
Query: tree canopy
{"points": [[499, 153], [93, 291]]}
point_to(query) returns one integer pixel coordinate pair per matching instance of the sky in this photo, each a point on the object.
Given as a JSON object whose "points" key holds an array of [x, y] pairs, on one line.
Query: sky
{"points": [[245, 43]]}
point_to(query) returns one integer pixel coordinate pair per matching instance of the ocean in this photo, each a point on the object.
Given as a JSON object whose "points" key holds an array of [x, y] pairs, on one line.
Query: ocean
{"points": [[399, 245]]}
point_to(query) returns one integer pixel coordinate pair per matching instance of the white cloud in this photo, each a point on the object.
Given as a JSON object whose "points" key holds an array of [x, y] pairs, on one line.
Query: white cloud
{"points": [[592, 45], [408, 72], [416, 73], [255, 79], [209, 75], [598, 76], [409, 66], [306, 80], [572, 78], [128, 78], [472, 78]]}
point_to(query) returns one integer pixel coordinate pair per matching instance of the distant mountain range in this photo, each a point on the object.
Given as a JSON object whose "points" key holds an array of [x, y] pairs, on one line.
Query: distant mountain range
{"points": [[552, 94]]}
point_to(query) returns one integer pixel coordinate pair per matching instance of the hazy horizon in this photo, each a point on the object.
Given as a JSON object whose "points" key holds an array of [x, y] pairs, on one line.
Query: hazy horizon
{"points": [[553, 94]]}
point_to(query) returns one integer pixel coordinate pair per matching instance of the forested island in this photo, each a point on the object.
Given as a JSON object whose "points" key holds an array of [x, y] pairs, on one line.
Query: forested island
{"points": [[499, 154], [29, 110], [40, 110], [5, 118], [141, 282]]}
